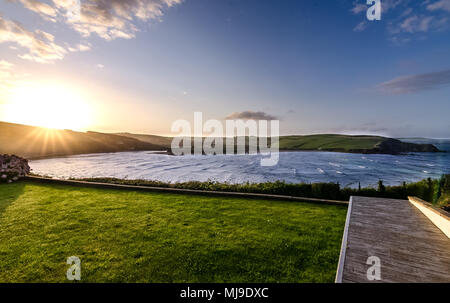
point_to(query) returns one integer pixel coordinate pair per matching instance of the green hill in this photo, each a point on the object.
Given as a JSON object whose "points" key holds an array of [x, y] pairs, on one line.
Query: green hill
{"points": [[352, 144]]}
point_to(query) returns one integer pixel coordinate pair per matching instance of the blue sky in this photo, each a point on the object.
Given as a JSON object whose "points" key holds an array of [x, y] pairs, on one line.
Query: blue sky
{"points": [[318, 66]]}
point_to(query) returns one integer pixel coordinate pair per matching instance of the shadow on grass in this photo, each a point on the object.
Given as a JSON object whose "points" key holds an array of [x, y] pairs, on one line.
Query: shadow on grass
{"points": [[10, 193]]}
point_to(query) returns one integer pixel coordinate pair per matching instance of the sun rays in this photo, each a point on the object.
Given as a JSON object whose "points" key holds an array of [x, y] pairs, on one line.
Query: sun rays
{"points": [[49, 105]]}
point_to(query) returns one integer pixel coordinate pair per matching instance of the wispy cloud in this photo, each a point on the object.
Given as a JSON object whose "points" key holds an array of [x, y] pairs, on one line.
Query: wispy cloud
{"points": [[8, 77], [5, 65], [80, 48], [109, 19], [360, 27], [43, 9], [358, 8], [415, 24], [416, 83], [40, 45], [440, 5], [250, 115]]}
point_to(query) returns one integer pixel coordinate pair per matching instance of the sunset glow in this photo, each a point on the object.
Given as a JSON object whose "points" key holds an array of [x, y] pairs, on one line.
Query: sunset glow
{"points": [[48, 105]]}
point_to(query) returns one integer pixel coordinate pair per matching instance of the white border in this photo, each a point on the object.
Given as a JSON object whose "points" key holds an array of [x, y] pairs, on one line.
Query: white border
{"points": [[340, 268], [441, 222]]}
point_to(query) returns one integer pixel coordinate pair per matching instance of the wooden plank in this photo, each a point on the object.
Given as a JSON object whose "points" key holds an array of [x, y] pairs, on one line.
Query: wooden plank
{"points": [[410, 247]]}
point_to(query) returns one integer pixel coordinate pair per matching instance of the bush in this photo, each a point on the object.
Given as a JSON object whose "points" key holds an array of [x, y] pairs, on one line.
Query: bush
{"points": [[425, 189]]}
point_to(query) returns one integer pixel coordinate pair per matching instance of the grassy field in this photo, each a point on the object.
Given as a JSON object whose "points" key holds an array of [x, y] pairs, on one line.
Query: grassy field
{"points": [[125, 236], [352, 144], [327, 142]]}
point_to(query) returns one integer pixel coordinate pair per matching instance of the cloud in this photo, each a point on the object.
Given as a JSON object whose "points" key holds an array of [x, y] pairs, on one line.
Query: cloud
{"points": [[359, 8], [8, 77], [43, 9], [5, 65], [416, 83], [250, 115], [440, 5], [40, 45], [415, 24], [80, 48], [111, 19], [360, 27], [387, 5], [100, 66]]}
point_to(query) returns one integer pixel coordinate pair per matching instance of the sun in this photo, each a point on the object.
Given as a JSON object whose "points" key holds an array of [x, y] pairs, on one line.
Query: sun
{"points": [[50, 105]]}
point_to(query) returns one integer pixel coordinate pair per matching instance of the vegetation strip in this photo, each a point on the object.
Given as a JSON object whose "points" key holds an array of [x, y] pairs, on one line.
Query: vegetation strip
{"points": [[436, 191], [181, 191]]}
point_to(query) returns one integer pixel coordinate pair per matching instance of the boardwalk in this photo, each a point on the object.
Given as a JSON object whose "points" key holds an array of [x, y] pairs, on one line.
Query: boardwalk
{"points": [[409, 246]]}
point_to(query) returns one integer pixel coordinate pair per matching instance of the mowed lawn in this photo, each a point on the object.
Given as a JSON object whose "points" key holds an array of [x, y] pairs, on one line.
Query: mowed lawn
{"points": [[126, 236]]}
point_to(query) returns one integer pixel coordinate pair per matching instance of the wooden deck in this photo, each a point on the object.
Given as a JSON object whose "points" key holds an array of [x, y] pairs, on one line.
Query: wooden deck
{"points": [[409, 246]]}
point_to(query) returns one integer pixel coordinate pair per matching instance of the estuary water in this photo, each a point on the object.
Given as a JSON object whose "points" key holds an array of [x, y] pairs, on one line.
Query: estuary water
{"points": [[293, 167]]}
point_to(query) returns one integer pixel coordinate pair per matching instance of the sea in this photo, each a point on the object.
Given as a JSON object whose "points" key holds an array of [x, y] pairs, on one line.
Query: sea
{"points": [[293, 167]]}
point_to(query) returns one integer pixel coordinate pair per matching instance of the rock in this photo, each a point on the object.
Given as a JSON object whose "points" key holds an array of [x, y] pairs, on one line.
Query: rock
{"points": [[13, 168]]}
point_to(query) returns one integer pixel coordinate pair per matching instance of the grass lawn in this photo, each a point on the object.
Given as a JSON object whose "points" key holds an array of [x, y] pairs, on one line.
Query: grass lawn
{"points": [[329, 142], [126, 236]]}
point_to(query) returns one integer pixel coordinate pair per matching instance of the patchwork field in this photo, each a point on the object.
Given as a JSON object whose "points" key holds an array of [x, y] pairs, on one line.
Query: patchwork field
{"points": [[126, 236]]}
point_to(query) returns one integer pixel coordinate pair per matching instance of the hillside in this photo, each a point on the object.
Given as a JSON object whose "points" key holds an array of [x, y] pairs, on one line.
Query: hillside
{"points": [[153, 139], [35, 142], [352, 144], [327, 142]]}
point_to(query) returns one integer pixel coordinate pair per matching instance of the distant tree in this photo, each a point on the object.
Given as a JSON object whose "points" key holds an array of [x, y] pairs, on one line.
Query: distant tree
{"points": [[381, 187]]}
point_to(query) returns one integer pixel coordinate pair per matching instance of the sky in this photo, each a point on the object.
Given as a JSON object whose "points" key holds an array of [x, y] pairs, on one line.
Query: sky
{"points": [[140, 65]]}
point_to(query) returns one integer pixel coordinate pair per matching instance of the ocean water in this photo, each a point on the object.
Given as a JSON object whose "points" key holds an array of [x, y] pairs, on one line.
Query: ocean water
{"points": [[293, 167]]}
